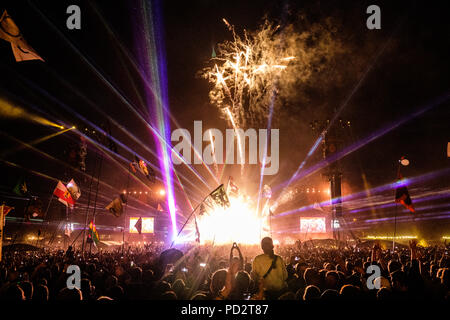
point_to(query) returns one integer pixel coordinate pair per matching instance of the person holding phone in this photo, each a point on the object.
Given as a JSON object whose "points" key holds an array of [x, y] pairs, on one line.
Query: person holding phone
{"points": [[269, 271], [236, 264], [239, 260]]}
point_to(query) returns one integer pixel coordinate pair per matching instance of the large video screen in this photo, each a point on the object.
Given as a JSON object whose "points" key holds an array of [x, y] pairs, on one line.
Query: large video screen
{"points": [[312, 225], [147, 225]]}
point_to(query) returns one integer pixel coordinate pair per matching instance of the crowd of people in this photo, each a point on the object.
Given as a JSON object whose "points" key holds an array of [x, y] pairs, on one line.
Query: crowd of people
{"points": [[193, 272]]}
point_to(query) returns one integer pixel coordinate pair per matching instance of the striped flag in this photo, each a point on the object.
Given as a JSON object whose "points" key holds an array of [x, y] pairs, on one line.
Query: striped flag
{"points": [[64, 195], [93, 235], [74, 190]]}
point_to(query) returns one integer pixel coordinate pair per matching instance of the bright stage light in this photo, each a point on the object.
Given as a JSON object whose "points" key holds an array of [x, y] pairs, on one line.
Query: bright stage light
{"points": [[162, 192], [239, 223]]}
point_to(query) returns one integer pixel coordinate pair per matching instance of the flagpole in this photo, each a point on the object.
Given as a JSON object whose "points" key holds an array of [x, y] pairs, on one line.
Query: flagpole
{"points": [[87, 209], [395, 211], [125, 211], [1, 230], [65, 227], [96, 196], [195, 209], [24, 215], [45, 216], [395, 228]]}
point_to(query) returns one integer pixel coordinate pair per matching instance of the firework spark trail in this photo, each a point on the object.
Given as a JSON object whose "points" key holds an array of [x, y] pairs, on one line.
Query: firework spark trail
{"points": [[238, 137], [248, 66], [112, 87], [213, 151], [263, 164]]}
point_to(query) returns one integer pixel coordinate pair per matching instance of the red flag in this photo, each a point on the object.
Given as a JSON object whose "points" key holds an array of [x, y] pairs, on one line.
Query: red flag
{"points": [[402, 196], [6, 209], [63, 195]]}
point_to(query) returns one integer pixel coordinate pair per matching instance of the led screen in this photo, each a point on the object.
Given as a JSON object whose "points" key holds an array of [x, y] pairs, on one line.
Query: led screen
{"points": [[312, 225]]}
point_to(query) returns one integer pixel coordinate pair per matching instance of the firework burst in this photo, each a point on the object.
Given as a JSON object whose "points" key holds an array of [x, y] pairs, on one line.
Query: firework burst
{"points": [[245, 74]]}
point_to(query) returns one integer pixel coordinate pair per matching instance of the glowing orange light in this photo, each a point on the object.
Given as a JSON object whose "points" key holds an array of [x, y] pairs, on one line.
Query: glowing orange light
{"points": [[238, 223]]}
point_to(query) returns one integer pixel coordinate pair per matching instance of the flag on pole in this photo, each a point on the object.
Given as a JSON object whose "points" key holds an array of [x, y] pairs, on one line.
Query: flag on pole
{"points": [[317, 206], [63, 195], [220, 196], [74, 190], [142, 167], [138, 225], [267, 192], [232, 188], [10, 32], [92, 234], [116, 206], [402, 196], [5, 209], [197, 232], [21, 188]]}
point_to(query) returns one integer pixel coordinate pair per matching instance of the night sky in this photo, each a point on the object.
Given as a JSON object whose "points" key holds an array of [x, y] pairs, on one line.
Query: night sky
{"points": [[384, 75]]}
